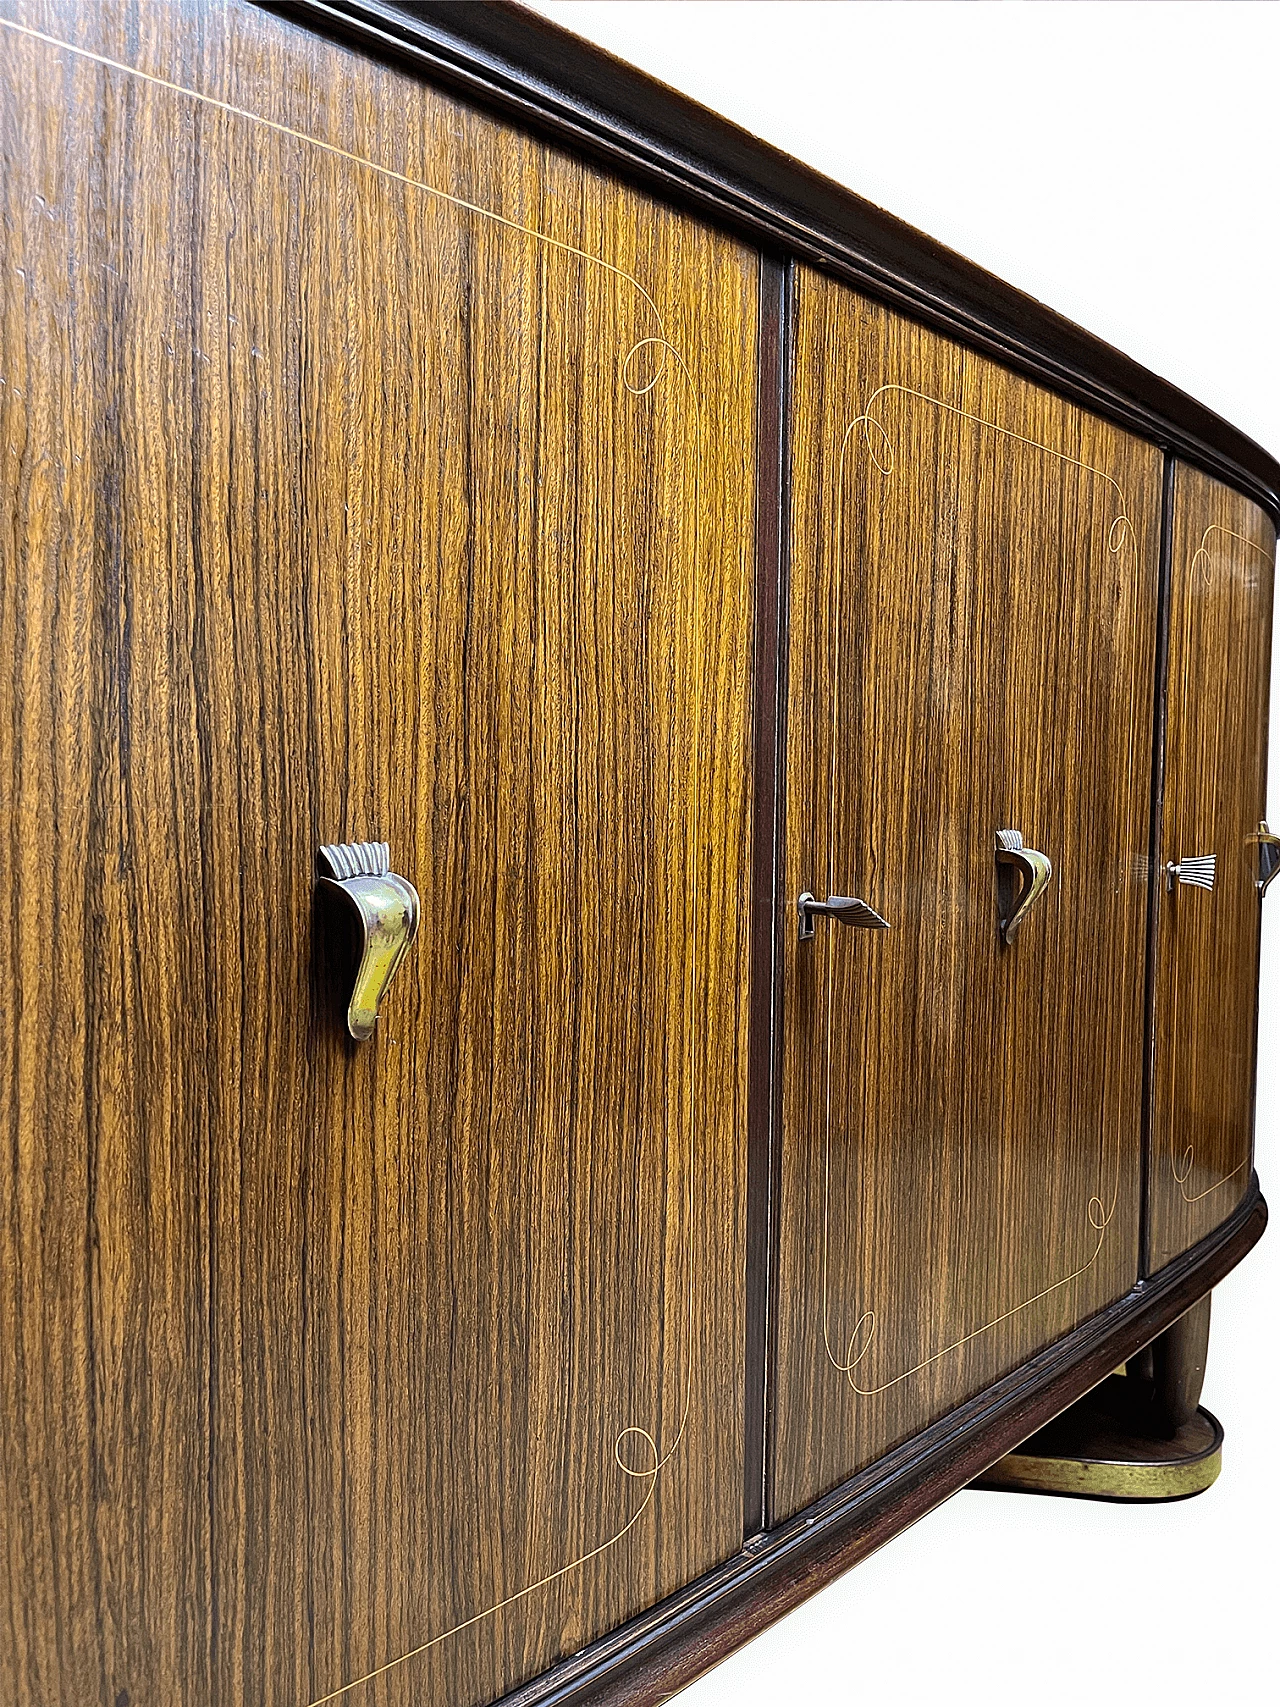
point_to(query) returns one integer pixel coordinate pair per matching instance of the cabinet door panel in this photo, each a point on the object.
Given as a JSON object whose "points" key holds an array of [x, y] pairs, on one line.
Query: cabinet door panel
{"points": [[1222, 563], [971, 633], [376, 472]]}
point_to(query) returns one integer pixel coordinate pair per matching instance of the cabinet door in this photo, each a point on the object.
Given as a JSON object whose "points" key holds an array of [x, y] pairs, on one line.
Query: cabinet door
{"points": [[371, 472], [971, 650], [1222, 562]]}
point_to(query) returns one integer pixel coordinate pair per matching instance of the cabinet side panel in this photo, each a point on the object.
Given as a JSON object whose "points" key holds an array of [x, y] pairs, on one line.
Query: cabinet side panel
{"points": [[423, 472], [974, 567], [1221, 574]]}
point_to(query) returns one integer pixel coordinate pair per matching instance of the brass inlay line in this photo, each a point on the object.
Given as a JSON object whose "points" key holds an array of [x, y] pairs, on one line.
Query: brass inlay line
{"points": [[646, 1473], [1188, 1156], [1097, 1213], [1201, 550], [867, 420], [328, 148]]}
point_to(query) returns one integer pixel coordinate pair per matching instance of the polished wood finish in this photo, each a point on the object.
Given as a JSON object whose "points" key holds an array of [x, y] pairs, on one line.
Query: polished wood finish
{"points": [[372, 468], [971, 649], [1206, 981], [1178, 1361], [336, 509], [646, 1662], [523, 66]]}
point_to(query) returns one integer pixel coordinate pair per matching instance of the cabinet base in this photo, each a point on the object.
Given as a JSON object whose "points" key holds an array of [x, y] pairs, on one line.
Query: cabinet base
{"points": [[1094, 1451]]}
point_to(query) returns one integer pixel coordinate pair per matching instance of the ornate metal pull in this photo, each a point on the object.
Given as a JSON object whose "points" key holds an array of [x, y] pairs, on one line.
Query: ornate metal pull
{"points": [[844, 909], [1035, 869], [1268, 855], [1199, 871], [386, 907]]}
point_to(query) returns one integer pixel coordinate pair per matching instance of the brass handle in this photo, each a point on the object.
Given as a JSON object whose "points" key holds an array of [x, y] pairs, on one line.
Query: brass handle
{"points": [[1268, 855], [1035, 869], [386, 907], [1198, 871], [844, 909]]}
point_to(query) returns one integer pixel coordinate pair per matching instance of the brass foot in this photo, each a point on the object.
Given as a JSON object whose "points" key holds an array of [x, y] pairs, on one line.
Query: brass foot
{"points": [[1093, 1451], [1139, 1436]]}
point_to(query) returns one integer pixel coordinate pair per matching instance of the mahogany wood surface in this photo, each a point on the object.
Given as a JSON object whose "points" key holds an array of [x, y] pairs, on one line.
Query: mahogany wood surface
{"points": [[973, 596], [1215, 779], [341, 507]]}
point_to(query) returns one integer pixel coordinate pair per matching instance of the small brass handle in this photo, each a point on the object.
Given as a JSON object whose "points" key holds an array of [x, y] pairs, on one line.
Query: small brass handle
{"points": [[844, 909], [386, 907], [1268, 855], [1198, 871], [1034, 868]]}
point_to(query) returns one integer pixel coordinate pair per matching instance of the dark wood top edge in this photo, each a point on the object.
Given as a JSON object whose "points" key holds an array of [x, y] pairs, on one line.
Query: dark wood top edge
{"points": [[516, 61], [644, 1662]]}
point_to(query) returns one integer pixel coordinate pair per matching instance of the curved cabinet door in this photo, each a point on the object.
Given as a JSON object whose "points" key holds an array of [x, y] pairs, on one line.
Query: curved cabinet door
{"points": [[972, 646], [373, 474], [1221, 571]]}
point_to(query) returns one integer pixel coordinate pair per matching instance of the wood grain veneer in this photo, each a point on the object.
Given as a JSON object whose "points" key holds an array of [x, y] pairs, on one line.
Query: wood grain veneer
{"points": [[1215, 778], [973, 599], [337, 506], [527, 68], [647, 1661], [335, 509]]}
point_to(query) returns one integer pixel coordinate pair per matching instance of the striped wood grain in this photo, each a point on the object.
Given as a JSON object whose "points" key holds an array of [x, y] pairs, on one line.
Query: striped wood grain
{"points": [[337, 509], [972, 641], [1221, 573]]}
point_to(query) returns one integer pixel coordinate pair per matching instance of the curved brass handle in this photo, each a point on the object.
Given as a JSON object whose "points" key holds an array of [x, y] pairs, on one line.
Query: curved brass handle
{"points": [[844, 909], [1035, 870], [1268, 855], [386, 907]]}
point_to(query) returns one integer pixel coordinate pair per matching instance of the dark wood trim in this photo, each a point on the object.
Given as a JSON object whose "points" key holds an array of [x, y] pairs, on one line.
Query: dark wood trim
{"points": [[1160, 700], [782, 914], [644, 1662], [528, 69], [770, 593]]}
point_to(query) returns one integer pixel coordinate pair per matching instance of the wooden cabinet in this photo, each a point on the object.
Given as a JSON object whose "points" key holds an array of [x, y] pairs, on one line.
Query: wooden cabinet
{"points": [[972, 637], [361, 487], [1204, 1035], [416, 429]]}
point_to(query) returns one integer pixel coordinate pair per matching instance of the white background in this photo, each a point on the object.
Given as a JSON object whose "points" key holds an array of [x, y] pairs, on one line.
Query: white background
{"points": [[1119, 161]]}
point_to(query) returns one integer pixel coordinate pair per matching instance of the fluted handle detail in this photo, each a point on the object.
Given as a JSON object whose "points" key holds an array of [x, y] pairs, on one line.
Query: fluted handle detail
{"points": [[1033, 869], [1198, 871], [386, 908], [844, 909]]}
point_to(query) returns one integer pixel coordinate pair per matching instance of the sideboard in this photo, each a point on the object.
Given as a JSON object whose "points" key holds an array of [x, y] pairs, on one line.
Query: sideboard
{"points": [[633, 836]]}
